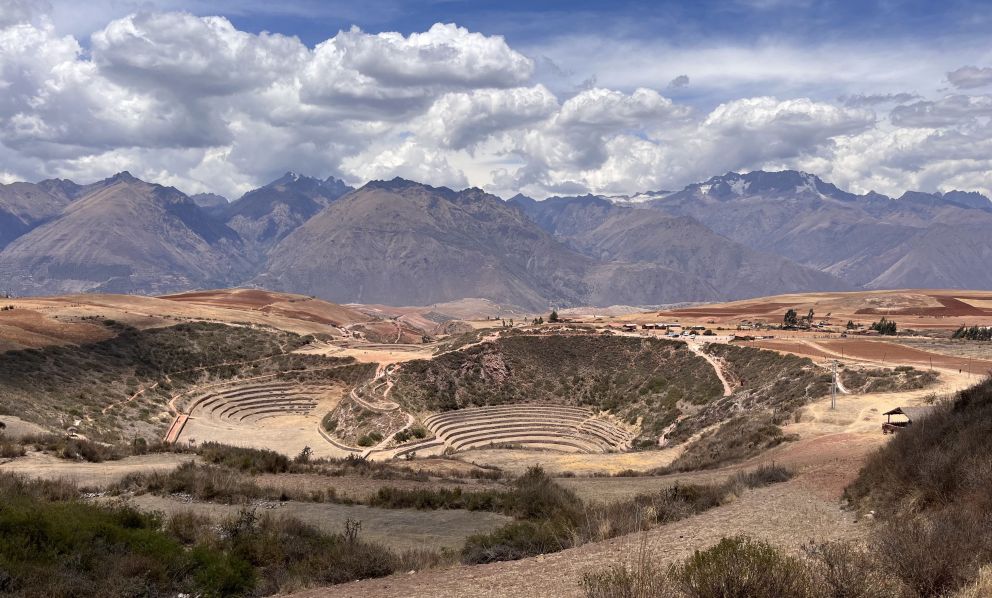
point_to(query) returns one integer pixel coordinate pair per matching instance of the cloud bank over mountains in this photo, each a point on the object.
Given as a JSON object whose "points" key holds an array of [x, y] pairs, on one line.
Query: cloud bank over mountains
{"points": [[197, 103]]}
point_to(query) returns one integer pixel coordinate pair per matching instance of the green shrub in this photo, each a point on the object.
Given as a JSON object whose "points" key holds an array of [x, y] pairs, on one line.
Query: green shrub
{"points": [[552, 518], [843, 570], [440, 498], [517, 540], [203, 482], [742, 568], [51, 544], [417, 432], [739, 438], [884, 326], [619, 581], [78, 549], [245, 459], [10, 450], [78, 449]]}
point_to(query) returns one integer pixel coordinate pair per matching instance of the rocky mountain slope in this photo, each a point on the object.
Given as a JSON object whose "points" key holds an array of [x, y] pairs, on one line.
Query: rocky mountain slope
{"points": [[610, 232], [400, 242], [264, 216], [24, 206], [124, 235], [403, 243], [869, 240]]}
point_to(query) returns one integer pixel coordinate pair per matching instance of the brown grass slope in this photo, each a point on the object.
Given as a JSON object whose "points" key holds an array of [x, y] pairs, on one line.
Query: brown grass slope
{"points": [[770, 387]]}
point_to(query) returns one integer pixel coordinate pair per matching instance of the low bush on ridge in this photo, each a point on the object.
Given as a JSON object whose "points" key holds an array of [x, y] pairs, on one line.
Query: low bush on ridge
{"points": [[742, 567], [252, 460]]}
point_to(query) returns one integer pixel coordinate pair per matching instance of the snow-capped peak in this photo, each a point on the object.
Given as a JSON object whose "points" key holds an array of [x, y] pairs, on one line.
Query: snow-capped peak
{"points": [[636, 198]]}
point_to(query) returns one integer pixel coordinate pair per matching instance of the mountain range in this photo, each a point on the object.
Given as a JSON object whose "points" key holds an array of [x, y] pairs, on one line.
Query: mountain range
{"points": [[401, 242]]}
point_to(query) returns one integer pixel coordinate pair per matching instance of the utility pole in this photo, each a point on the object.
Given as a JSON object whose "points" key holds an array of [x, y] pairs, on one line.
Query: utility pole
{"points": [[833, 387]]}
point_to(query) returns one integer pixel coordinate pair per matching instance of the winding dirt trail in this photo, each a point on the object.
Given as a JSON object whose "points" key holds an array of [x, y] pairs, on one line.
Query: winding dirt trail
{"points": [[717, 366]]}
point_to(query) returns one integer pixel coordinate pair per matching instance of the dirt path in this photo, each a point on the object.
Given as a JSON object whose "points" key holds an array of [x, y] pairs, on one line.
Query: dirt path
{"points": [[129, 399], [728, 390], [382, 378]]}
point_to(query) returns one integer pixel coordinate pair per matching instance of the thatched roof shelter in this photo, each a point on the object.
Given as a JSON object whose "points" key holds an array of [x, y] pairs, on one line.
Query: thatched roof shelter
{"points": [[912, 413]]}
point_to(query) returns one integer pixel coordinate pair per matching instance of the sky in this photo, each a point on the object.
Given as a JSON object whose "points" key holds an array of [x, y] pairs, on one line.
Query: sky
{"points": [[542, 98]]}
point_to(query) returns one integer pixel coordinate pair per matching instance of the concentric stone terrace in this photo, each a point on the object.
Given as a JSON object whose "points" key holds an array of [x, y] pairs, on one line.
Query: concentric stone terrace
{"points": [[253, 402], [550, 427]]}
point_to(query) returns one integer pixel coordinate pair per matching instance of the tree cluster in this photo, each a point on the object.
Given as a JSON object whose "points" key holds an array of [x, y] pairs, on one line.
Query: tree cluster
{"points": [[974, 333], [792, 319], [884, 326]]}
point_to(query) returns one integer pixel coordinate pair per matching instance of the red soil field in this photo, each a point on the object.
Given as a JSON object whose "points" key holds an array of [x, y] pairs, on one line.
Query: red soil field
{"points": [[789, 346], [950, 306], [877, 351], [735, 310]]}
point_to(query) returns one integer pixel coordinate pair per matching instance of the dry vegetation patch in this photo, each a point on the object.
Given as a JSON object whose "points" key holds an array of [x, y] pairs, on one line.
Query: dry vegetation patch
{"points": [[902, 378]]}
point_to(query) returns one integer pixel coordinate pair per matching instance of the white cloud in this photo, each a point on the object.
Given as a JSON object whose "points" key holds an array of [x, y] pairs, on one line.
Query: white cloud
{"points": [[445, 55], [747, 133], [194, 102], [462, 119], [188, 55], [13, 12], [407, 160], [606, 109], [387, 75], [970, 77], [949, 111]]}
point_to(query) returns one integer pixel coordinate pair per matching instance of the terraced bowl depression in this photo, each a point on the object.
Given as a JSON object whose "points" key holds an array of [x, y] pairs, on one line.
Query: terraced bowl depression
{"points": [[251, 403], [549, 427]]}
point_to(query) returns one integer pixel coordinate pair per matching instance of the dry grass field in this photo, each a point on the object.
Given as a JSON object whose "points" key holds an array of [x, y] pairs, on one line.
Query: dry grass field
{"points": [[400, 529]]}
